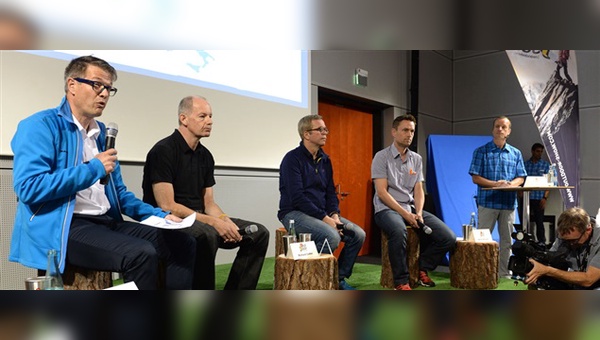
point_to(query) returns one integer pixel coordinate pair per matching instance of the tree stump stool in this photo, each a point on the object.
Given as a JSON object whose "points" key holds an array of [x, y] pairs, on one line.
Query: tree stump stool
{"points": [[412, 260], [319, 273], [474, 265], [279, 233], [78, 278]]}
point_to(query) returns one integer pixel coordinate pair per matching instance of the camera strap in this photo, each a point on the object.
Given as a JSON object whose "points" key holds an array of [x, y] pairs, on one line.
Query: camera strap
{"points": [[582, 260]]}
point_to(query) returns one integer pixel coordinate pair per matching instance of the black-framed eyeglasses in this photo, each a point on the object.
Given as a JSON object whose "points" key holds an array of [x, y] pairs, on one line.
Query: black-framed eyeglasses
{"points": [[98, 87], [321, 129], [573, 241]]}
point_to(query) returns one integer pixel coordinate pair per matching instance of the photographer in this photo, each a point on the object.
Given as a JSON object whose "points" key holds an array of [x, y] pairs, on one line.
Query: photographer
{"points": [[580, 235]]}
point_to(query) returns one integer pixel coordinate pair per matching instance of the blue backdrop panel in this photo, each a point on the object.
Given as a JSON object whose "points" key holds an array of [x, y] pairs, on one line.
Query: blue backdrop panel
{"points": [[448, 181]]}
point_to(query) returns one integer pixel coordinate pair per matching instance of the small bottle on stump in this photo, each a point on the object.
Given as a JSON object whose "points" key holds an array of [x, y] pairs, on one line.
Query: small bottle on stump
{"points": [[292, 230]]}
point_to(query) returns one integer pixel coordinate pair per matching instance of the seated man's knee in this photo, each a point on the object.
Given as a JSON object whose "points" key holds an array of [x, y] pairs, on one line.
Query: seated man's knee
{"points": [[397, 231], [260, 238], [262, 234], [207, 238], [359, 233], [144, 253]]}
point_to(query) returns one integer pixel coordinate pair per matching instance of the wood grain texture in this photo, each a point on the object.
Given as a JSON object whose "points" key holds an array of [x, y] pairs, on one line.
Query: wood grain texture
{"points": [[279, 233], [474, 265], [412, 260], [77, 278], [309, 274]]}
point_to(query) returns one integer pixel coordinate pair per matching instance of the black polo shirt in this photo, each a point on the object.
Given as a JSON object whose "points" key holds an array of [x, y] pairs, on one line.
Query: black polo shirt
{"points": [[190, 171]]}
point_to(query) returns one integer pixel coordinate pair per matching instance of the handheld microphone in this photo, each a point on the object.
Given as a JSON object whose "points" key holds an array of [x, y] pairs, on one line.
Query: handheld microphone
{"points": [[111, 135], [341, 226], [425, 228], [251, 229]]}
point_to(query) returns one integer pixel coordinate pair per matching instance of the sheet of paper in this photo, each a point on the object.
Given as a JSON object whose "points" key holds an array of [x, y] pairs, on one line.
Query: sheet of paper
{"points": [[125, 286], [158, 222]]}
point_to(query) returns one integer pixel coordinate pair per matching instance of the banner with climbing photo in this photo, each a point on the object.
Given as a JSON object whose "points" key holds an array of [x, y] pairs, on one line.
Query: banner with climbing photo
{"points": [[549, 82]]}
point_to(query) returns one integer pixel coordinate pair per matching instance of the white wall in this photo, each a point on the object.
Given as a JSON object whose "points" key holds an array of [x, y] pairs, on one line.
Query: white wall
{"points": [[247, 132]]}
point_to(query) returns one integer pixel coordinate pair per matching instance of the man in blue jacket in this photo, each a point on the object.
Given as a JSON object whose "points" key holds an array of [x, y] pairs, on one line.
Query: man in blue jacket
{"points": [[60, 157], [308, 197]]}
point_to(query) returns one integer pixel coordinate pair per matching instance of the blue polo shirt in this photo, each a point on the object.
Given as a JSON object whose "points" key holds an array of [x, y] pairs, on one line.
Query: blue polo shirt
{"points": [[539, 168], [306, 184], [494, 163]]}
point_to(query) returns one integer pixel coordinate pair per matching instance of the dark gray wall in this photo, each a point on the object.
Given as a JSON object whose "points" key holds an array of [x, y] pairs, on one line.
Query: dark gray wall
{"points": [[460, 92], [486, 86]]}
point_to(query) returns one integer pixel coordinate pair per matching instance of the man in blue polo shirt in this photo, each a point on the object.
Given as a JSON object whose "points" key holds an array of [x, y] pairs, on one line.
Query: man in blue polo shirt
{"points": [[498, 165], [536, 166]]}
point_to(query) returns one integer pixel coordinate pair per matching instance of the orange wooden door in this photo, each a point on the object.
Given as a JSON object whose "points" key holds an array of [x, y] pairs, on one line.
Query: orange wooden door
{"points": [[350, 146]]}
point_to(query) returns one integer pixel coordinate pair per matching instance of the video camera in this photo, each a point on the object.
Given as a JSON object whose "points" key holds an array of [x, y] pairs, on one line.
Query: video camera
{"points": [[525, 248]]}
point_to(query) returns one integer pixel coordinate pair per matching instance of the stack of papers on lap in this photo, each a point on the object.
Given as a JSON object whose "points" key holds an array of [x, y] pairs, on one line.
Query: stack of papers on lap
{"points": [[159, 222]]}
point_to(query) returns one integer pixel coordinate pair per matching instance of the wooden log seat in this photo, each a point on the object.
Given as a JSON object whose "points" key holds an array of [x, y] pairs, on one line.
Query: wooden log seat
{"points": [[412, 260], [279, 233], [320, 273], [78, 278], [474, 265]]}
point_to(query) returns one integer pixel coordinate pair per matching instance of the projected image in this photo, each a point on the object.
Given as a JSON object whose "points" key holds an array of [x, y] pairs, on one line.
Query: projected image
{"points": [[276, 75]]}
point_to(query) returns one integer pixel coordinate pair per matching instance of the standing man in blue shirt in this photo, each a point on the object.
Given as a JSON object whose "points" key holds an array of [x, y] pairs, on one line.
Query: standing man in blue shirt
{"points": [[497, 164], [308, 197], [536, 166]]}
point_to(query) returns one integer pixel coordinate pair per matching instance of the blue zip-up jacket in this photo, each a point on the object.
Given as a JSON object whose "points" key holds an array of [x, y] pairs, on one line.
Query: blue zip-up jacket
{"points": [[48, 172], [306, 184]]}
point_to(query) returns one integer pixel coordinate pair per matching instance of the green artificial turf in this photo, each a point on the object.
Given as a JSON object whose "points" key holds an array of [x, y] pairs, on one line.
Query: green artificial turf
{"points": [[364, 277]]}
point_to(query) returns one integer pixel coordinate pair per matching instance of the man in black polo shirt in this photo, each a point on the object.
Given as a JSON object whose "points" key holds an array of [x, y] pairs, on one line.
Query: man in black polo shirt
{"points": [[179, 177]]}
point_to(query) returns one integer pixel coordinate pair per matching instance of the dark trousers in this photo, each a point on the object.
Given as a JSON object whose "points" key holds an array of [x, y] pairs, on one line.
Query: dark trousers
{"points": [[538, 218], [133, 249], [433, 246], [248, 262], [536, 215]]}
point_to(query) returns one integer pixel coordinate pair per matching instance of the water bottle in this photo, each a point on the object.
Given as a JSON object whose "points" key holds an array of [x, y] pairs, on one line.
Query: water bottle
{"points": [[54, 280], [552, 177], [292, 231], [472, 223]]}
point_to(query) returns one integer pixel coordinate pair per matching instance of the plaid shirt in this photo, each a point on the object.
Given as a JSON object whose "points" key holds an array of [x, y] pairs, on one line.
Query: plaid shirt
{"points": [[493, 163], [537, 169]]}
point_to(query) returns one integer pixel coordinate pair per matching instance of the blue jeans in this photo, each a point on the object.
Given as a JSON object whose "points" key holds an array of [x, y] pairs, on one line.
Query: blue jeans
{"points": [[433, 246], [354, 236]]}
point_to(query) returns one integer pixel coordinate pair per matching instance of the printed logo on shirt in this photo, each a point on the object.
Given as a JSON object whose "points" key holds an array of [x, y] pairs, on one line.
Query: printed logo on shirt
{"points": [[411, 172]]}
